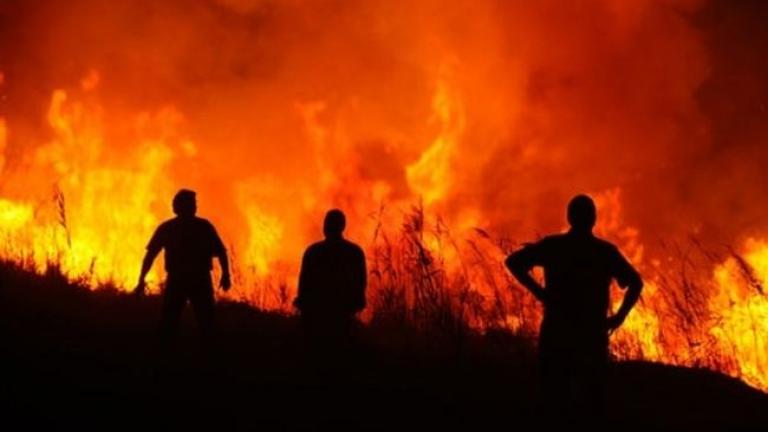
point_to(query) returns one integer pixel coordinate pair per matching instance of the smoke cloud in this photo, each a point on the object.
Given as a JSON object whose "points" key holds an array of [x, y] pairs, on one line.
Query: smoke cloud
{"points": [[495, 112]]}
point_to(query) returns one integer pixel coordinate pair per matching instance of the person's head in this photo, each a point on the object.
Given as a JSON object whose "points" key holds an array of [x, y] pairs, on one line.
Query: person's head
{"points": [[334, 223], [185, 203], [582, 213]]}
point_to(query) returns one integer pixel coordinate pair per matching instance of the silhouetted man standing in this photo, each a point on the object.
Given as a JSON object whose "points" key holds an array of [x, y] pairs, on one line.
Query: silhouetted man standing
{"points": [[331, 286], [190, 243], [573, 341]]}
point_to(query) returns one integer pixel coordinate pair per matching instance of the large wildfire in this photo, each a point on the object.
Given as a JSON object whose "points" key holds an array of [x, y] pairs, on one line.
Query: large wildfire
{"points": [[449, 132]]}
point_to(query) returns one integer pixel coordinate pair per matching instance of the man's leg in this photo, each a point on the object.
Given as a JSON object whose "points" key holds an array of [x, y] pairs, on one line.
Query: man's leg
{"points": [[590, 379], [201, 297], [554, 369], [555, 384], [174, 299]]}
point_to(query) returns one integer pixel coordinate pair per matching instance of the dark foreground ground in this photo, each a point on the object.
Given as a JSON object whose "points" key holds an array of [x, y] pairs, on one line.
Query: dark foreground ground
{"points": [[75, 358]]}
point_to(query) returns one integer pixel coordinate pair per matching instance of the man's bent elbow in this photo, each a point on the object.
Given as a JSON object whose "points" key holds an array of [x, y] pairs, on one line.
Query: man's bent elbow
{"points": [[222, 255], [514, 265], [223, 259]]}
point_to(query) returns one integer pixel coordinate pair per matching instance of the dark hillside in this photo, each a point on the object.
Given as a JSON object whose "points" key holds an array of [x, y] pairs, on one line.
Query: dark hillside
{"points": [[75, 357]]}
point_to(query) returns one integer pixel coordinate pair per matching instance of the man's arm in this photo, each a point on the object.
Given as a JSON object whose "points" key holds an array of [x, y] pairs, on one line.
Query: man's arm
{"points": [[629, 278], [630, 298], [304, 282], [226, 281], [521, 263], [362, 281], [146, 265], [155, 245], [220, 252]]}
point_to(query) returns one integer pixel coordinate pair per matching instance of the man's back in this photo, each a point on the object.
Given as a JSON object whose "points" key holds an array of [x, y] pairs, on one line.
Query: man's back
{"points": [[573, 341], [578, 269], [190, 243], [332, 278]]}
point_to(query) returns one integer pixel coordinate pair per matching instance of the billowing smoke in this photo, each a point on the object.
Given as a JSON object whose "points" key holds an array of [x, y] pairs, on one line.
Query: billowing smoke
{"points": [[332, 98]]}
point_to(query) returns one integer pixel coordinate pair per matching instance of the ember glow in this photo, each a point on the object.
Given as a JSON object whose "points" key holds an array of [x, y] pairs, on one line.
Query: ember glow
{"points": [[449, 134]]}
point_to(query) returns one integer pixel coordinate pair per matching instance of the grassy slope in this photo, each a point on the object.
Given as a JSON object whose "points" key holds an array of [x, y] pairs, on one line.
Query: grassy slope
{"points": [[76, 357]]}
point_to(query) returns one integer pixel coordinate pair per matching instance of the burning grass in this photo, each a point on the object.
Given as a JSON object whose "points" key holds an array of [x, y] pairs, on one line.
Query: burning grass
{"points": [[701, 308]]}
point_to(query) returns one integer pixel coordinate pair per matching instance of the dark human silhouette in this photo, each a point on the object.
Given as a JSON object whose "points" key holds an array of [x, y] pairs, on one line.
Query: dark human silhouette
{"points": [[332, 285], [573, 340], [190, 243]]}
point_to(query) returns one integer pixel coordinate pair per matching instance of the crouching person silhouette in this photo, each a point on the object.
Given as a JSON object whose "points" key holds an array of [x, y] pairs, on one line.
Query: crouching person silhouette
{"points": [[573, 340], [332, 285], [190, 243]]}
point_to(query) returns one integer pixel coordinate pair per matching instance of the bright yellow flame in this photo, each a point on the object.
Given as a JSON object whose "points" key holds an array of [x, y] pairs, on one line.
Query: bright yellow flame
{"points": [[13, 215], [431, 176], [100, 216], [743, 307], [264, 237]]}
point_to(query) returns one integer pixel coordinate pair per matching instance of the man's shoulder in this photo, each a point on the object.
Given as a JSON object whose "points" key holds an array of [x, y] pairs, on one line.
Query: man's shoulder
{"points": [[324, 246], [167, 224], [607, 250], [203, 226], [606, 245], [554, 238], [315, 247], [551, 240], [539, 244], [203, 222], [179, 225], [354, 247], [185, 220]]}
